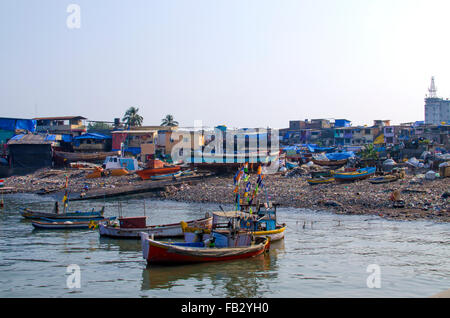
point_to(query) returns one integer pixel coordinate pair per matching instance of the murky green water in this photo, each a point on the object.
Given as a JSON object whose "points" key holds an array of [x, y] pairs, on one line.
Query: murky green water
{"points": [[323, 255]]}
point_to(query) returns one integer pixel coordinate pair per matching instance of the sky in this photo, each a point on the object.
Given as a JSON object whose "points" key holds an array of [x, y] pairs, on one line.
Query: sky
{"points": [[241, 63]]}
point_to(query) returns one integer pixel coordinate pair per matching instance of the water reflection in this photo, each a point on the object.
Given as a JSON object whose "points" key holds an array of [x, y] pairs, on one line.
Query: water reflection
{"points": [[123, 246], [241, 278]]}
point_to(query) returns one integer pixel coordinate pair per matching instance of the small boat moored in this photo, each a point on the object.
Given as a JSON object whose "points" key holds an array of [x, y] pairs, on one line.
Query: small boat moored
{"points": [[359, 174], [198, 252], [30, 214], [132, 227], [50, 224]]}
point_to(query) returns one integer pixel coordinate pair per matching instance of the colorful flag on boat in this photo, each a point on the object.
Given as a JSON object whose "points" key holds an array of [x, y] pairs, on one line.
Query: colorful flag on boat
{"points": [[65, 199], [2, 182], [247, 189]]}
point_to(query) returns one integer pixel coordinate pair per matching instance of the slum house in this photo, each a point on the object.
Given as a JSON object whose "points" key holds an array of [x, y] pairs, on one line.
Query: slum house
{"points": [[65, 127], [31, 151], [92, 142], [13, 126], [138, 142], [166, 141]]}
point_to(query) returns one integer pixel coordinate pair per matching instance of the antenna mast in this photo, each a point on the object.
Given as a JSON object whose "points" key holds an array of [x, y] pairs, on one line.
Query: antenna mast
{"points": [[432, 89]]}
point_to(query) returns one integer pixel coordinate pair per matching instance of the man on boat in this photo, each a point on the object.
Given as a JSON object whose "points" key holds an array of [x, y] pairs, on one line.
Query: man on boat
{"points": [[211, 242]]}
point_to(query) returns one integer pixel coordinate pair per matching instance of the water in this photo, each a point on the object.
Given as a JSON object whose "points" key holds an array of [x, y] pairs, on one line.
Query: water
{"points": [[322, 255]]}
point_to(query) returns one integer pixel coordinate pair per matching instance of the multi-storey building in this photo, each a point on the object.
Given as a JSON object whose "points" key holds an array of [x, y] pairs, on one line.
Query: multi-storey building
{"points": [[437, 110]]}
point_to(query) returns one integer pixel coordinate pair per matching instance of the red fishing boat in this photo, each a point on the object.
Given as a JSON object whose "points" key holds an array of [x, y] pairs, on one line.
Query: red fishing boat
{"points": [[197, 252], [156, 168]]}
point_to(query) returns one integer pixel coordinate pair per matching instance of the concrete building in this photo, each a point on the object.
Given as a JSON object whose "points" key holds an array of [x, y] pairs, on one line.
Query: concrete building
{"points": [[66, 125]]}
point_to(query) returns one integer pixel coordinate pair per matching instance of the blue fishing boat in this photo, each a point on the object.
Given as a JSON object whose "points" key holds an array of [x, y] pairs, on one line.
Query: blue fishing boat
{"points": [[166, 176], [291, 165], [359, 174]]}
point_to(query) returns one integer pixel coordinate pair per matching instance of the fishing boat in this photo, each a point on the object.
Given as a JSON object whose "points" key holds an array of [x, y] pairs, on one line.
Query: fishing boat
{"points": [[166, 176], [262, 224], [291, 165], [30, 214], [322, 173], [359, 174], [320, 180], [383, 179], [132, 227], [50, 224], [68, 157], [198, 252], [157, 167], [329, 163], [266, 220]]}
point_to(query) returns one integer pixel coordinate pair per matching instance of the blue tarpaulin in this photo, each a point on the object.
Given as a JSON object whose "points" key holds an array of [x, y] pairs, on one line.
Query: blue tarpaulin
{"points": [[76, 140], [50, 138], [314, 148], [26, 124], [66, 138], [92, 136], [13, 124], [17, 137], [340, 155]]}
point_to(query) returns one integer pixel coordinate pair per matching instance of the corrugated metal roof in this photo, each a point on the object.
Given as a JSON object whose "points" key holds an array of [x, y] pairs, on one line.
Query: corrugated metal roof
{"points": [[31, 139]]}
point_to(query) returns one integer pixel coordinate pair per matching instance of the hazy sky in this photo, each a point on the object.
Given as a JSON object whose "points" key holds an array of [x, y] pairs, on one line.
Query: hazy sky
{"points": [[235, 62]]}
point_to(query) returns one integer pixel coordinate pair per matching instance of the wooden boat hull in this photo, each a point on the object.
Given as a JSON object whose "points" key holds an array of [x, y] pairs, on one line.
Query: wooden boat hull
{"points": [[291, 165], [68, 157], [315, 181], [166, 176], [29, 214], [49, 225], [382, 180], [330, 163], [146, 174], [353, 176], [159, 231], [172, 253], [274, 235]]}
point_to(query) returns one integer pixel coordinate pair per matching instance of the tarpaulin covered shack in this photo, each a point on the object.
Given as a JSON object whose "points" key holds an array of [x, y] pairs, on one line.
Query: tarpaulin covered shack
{"points": [[32, 151]]}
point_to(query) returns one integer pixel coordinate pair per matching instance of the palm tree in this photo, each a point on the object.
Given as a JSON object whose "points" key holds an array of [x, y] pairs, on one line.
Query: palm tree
{"points": [[168, 121], [131, 117]]}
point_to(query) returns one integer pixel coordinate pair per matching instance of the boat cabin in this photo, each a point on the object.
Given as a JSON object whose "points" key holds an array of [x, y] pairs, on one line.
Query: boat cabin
{"points": [[137, 222], [266, 214]]}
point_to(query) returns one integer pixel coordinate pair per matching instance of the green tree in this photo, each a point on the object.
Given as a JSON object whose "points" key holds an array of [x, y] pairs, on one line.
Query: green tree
{"points": [[99, 126], [369, 152], [168, 121], [132, 118]]}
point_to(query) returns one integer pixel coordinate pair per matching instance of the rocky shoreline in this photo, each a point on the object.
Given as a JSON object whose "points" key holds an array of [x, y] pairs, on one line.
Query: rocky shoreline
{"points": [[424, 199]]}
